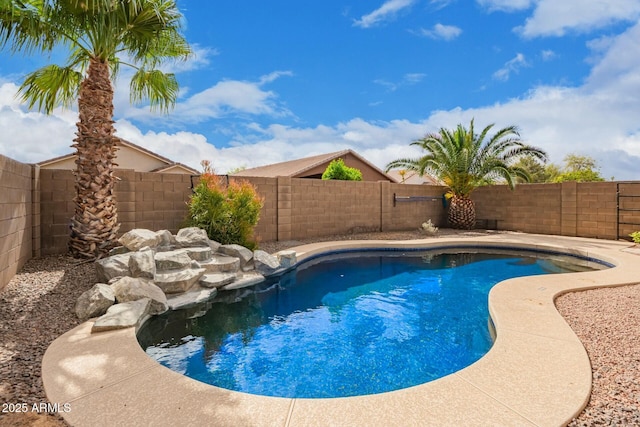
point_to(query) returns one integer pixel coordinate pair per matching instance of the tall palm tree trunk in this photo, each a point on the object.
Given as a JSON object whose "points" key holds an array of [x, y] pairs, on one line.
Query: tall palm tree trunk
{"points": [[95, 223], [462, 213]]}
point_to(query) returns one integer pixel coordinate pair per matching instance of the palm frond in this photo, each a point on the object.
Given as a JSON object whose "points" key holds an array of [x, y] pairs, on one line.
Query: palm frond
{"points": [[51, 86], [464, 159], [159, 88], [22, 28]]}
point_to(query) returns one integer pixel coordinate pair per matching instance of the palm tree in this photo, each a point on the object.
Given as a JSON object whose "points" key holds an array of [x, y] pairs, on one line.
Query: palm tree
{"points": [[464, 160], [100, 36]]}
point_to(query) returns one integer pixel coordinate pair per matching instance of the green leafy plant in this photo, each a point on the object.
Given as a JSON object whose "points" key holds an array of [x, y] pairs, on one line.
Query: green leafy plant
{"points": [[338, 170], [228, 213], [636, 237]]}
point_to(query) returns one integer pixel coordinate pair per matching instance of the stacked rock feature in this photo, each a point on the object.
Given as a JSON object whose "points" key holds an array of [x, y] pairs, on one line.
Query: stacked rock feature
{"points": [[153, 272]]}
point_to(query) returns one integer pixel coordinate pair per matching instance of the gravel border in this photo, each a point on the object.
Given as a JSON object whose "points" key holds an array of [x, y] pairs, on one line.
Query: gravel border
{"points": [[607, 321], [37, 306]]}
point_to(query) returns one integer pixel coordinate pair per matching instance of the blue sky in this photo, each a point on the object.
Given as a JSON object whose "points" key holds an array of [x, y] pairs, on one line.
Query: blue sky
{"points": [[274, 81]]}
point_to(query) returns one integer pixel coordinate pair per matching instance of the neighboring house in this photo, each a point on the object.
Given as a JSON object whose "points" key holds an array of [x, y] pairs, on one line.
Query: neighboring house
{"points": [[313, 167], [412, 177], [128, 156]]}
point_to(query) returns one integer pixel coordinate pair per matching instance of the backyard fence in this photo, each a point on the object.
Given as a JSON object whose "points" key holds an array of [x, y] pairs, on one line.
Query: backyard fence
{"points": [[36, 207]]}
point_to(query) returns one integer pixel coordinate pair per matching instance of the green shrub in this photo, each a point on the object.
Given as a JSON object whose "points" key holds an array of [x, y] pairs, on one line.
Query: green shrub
{"points": [[635, 236], [338, 170], [228, 213], [579, 176]]}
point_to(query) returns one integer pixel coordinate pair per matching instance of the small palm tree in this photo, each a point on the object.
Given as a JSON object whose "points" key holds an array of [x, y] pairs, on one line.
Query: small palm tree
{"points": [[101, 36], [463, 160]]}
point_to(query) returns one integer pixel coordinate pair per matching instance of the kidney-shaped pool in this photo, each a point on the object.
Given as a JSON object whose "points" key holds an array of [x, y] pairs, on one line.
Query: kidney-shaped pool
{"points": [[347, 324]]}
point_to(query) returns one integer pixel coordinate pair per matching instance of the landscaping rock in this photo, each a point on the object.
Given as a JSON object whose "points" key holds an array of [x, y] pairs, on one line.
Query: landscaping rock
{"points": [[221, 264], [287, 258], [165, 238], [179, 280], [265, 263], [173, 272], [214, 246], [132, 289], [248, 279], [123, 315], [216, 280], [113, 266], [238, 251], [191, 237], [95, 301], [138, 238], [199, 254], [172, 260], [118, 250], [192, 297], [142, 263]]}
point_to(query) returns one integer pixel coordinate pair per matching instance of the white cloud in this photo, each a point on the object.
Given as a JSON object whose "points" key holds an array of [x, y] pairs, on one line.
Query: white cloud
{"points": [[31, 136], [548, 55], [407, 80], [200, 58], [413, 78], [389, 85], [273, 76], [618, 70], [247, 97], [511, 66], [441, 32], [506, 5], [226, 97], [556, 18], [440, 4], [387, 11]]}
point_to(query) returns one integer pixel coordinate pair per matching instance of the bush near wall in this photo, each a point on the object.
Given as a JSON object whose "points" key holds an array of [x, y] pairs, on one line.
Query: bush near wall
{"points": [[228, 212]]}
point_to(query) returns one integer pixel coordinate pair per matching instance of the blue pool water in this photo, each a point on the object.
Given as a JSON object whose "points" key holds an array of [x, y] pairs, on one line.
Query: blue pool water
{"points": [[345, 325]]}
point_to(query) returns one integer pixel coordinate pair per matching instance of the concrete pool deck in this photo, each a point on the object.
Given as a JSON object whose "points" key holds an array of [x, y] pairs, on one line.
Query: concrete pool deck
{"points": [[536, 374]]}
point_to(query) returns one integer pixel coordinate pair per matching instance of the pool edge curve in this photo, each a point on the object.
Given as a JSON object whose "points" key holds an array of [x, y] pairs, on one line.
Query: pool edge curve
{"points": [[536, 373]]}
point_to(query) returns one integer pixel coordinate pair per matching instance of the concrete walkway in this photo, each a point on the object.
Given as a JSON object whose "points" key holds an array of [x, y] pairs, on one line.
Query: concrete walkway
{"points": [[536, 374]]}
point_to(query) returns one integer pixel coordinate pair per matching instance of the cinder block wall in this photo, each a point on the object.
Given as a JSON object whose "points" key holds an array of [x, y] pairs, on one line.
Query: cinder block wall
{"points": [[587, 209], [155, 201], [16, 217], [424, 203], [160, 200], [301, 208], [56, 210], [321, 208], [312, 208], [530, 208]]}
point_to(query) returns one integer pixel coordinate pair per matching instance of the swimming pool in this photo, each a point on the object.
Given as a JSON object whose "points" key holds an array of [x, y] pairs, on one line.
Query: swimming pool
{"points": [[346, 324]]}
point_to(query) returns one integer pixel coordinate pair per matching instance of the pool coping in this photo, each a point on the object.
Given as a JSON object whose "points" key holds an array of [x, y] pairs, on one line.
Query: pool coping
{"points": [[536, 374]]}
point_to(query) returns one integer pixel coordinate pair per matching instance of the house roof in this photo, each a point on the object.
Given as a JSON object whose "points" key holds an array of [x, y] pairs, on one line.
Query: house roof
{"points": [[174, 167], [170, 164], [297, 168], [412, 177]]}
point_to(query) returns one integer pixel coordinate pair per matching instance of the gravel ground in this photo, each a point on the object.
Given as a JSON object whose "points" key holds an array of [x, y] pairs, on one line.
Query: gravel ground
{"points": [[607, 321], [37, 306]]}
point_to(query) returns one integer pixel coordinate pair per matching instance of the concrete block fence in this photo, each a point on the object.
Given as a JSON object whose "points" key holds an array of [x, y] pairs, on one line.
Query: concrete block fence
{"points": [[17, 218], [36, 206]]}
